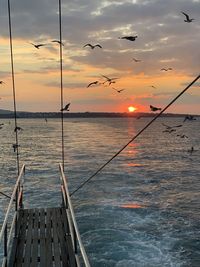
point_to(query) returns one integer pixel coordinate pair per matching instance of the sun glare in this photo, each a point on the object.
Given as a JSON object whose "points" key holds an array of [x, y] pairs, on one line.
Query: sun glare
{"points": [[131, 109]]}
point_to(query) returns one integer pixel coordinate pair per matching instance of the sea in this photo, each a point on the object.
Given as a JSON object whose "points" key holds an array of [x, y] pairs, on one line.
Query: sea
{"points": [[141, 210]]}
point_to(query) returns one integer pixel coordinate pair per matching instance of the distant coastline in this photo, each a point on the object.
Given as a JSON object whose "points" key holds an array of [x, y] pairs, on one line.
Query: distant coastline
{"points": [[24, 114]]}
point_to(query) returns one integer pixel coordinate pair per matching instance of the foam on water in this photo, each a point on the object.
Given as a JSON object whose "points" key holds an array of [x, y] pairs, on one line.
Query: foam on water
{"points": [[142, 210]]}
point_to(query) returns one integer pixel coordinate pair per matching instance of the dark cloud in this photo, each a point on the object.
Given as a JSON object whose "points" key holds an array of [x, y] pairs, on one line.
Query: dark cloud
{"points": [[164, 39]]}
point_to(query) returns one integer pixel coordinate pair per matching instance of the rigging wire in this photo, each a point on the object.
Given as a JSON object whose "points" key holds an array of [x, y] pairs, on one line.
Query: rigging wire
{"points": [[61, 82], [13, 85], [139, 133], [5, 195]]}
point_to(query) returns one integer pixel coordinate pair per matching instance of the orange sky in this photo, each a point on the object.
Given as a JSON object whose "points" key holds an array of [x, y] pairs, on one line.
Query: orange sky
{"points": [[37, 73]]}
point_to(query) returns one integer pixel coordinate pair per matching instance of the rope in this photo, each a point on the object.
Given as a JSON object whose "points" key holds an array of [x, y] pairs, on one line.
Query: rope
{"points": [[5, 195], [13, 86], [61, 82], [139, 133]]}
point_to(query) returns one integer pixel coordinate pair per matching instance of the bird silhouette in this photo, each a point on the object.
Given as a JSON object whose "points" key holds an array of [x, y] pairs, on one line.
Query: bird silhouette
{"points": [[169, 131], [189, 118], [109, 80], [182, 135], [93, 46], [92, 83], [154, 108], [57, 41], [38, 45], [130, 38], [171, 127], [164, 69], [17, 128], [66, 108], [15, 146], [191, 150], [188, 20], [136, 60], [152, 86], [119, 91], [2, 82]]}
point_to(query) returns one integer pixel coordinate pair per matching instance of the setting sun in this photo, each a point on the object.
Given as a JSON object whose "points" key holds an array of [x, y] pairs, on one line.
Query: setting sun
{"points": [[131, 109]]}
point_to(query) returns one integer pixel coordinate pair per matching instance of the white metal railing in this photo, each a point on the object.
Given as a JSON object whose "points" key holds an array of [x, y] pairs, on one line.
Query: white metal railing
{"points": [[6, 231], [73, 228]]}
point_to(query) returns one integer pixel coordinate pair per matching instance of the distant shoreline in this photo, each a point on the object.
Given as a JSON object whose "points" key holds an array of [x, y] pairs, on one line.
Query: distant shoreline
{"points": [[24, 115]]}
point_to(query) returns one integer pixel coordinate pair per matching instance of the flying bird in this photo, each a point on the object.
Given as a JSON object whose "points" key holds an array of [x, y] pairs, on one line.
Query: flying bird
{"points": [[17, 128], [38, 45], [152, 86], [136, 60], [190, 118], [182, 135], [191, 150], [15, 146], [57, 41], [130, 38], [93, 46], [187, 17], [171, 127], [154, 108], [66, 107], [164, 69], [1, 82], [119, 91], [109, 80], [96, 82], [169, 131]]}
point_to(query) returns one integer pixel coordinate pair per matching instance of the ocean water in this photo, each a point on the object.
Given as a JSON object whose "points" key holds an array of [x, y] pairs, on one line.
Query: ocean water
{"points": [[142, 210]]}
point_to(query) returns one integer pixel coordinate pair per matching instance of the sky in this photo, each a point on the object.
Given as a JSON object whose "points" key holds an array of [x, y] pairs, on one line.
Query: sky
{"points": [[163, 40]]}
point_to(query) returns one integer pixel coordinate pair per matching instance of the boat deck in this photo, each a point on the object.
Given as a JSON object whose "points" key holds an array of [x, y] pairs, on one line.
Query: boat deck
{"points": [[42, 239]]}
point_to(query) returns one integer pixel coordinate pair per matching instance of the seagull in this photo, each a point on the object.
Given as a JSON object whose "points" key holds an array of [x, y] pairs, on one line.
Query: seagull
{"points": [[119, 91], [17, 128], [152, 86], [182, 135], [65, 108], [1, 82], [166, 69], [169, 131], [96, 82], [57, 41], [37, 45], [109, 80], [190, 118], [93, 46], [130, 38], [136, 60], [171, 127], [154, 108], [187, 17], [191, 150], [15, 146]]}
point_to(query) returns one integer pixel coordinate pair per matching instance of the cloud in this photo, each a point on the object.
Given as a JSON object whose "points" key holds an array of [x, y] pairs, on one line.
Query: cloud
{"points": [[164, 39], [162, 32], [4, 74], [66, 85]]}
